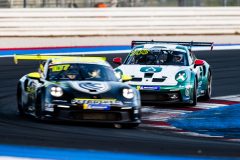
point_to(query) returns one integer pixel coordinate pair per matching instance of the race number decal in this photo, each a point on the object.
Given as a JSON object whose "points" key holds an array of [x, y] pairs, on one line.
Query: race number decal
{"points": [[139, 52], [58, 68]]}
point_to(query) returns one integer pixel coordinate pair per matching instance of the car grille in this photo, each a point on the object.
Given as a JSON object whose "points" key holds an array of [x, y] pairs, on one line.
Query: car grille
{"points": [[136, 79], [77, 95], [159, 96], [107, 96], [158, 79], [95, 116]]}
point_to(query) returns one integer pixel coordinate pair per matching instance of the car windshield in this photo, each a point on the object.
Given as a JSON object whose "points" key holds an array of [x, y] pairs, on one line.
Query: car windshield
{"points": [[78, 71], [157, 57]]}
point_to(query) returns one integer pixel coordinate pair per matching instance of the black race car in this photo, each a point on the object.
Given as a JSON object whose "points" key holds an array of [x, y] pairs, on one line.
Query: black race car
{"points": [[83, 89]]}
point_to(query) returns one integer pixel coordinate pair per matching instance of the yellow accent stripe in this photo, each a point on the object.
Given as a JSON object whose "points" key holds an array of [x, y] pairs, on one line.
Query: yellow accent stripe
{"points": [[40, 57], [88, 59], [95, 99], [138, 87]]}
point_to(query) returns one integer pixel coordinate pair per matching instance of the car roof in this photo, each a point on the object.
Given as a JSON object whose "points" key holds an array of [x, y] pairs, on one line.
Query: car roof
{"points": [[167, 46], [162, 46], [85, 60]]}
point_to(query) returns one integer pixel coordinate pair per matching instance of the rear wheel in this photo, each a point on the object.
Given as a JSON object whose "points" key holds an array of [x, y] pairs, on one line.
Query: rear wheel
{"points": [[209, 87], [20, 101], [194, 93]]}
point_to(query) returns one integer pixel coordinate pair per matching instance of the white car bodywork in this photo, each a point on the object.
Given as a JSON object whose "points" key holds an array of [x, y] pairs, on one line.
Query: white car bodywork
{"points": [[168, 71]]}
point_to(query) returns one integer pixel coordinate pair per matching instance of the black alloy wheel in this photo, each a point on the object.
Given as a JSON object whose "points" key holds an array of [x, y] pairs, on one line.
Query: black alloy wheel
{"points": [[20, 101], [38, 106], [194, 92], [208, 93]]}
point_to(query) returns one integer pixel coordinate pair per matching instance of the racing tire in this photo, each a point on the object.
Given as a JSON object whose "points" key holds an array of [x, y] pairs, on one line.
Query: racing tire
{"points": [[38, 106], [194, 92], [20, 101], [208, 93]]}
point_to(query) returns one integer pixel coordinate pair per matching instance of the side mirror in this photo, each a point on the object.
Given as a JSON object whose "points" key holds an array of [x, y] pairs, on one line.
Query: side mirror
{"points": [[117, 60], [34, 75], [41, 66], [198, 63], [126, 78]]}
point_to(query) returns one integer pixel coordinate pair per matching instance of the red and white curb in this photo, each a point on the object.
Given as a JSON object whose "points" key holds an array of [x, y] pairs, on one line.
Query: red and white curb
{"points": [[155, 118]]}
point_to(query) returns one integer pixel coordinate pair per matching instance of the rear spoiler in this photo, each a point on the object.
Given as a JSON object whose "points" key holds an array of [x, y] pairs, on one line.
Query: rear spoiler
{"points": [[40, 57], [190, 44]]}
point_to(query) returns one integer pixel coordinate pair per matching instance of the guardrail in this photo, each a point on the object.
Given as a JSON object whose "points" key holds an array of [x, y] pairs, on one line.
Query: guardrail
{"points": [[119, 21]]}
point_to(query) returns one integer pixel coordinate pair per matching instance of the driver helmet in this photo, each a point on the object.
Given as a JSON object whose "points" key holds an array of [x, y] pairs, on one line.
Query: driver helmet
{"points": [[72, 72], [94, 72], [177, 57]]}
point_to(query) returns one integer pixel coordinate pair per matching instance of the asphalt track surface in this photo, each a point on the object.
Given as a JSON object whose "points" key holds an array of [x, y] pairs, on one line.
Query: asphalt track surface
{"points": [[27, 131]]}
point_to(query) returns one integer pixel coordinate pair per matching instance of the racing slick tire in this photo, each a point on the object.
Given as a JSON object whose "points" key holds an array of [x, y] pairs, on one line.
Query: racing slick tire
{"points": [[194, 92], [208, 93], [38, 106], [19, 101]]}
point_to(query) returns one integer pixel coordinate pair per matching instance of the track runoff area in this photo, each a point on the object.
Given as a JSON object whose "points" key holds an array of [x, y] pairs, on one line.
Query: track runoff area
{"points": [[213, 120]]}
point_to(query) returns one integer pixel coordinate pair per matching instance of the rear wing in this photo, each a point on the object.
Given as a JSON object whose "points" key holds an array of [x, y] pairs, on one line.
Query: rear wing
{"points": [[190, 44], [40, 57]]}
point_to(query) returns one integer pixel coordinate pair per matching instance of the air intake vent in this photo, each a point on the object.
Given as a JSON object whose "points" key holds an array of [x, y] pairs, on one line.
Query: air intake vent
{"points": [[81, 96], [158, 79], [107, 96], [136, 79], [148, 75]]}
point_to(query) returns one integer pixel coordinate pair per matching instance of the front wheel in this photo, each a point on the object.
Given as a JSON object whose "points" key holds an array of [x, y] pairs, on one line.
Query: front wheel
{"points": [[38, 106], [194, 93], [208, 93], [20, 101]]}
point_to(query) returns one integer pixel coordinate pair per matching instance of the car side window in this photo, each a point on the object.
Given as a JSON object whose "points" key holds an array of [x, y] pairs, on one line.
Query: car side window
{"points": [[191, 57]]}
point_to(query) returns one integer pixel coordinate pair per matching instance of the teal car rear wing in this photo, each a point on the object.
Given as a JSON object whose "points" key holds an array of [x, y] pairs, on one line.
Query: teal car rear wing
{"points": [[189, 44]]}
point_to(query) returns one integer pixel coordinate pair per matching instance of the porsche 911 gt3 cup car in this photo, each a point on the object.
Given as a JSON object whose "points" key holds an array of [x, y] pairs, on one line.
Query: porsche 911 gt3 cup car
{"points": [[77, 89], [167, 72]]}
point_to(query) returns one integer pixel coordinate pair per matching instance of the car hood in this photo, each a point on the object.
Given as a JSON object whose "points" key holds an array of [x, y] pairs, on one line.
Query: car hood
{"points": [[152, 74], [91, 89]]}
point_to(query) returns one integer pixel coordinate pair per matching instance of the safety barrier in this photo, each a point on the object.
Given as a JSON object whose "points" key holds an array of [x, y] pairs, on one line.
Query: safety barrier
{"points": [[119, 21]]}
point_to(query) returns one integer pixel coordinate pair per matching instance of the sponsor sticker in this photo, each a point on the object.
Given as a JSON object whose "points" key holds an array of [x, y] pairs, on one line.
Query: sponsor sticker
{"points": [[102, 102], [151, 69], [96, 107], [85, 86], [156, 88]]}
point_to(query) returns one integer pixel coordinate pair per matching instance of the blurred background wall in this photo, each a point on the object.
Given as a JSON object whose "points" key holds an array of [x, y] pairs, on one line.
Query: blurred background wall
{"points": [[114, 3]]}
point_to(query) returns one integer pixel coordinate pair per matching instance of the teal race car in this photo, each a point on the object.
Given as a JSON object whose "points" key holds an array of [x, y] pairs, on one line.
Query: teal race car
{"points": [[167, 72]]}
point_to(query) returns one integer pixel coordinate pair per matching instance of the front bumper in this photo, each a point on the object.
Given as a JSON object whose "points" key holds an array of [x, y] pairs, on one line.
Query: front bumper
{"points": [[167, 94], [116, 114]]}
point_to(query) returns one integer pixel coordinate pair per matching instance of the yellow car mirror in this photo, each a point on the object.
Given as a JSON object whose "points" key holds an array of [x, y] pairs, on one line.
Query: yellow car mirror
{"points": [[34, 75], [126, 77]]}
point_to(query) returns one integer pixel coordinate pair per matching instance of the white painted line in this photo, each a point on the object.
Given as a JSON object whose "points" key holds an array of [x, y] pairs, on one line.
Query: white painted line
{"points": [[231, 47], [81, 53], [19, 158]]}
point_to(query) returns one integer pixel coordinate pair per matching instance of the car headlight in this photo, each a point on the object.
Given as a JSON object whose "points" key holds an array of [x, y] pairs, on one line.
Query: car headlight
{"points": [[56, 91], [181, 76], [118, 74], [128, 93]]}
